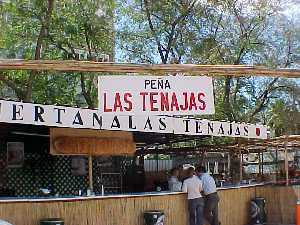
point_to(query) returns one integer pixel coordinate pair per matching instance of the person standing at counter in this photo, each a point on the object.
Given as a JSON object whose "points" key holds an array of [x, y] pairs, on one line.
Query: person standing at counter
{"points": [[173, 182], [193, 187], [210, 195]]}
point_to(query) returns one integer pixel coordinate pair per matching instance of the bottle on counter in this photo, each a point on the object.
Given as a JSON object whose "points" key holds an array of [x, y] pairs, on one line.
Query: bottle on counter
{"points": [[102, 190], [88, 192]]}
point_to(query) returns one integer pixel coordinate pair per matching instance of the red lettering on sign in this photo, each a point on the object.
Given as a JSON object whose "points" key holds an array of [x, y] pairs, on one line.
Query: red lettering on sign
{"points": [[202, 105], [106, 109], [153, 101], [185, 106], [192, 102], [118, 104], [127, 100], [143, 94], [164, 101], [174, 103]]}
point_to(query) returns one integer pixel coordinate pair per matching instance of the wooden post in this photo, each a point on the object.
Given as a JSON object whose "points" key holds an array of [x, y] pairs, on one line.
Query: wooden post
{"points": [[286, 165], [91, 172], [276, 158], [241, 166], [228, 164], [157, 162], [259, 164], [262, 163]]}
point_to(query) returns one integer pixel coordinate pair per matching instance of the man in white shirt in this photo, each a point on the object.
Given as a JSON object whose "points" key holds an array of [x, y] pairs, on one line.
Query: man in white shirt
{"points": [[193, 187], [210, 195], [174, 183]]}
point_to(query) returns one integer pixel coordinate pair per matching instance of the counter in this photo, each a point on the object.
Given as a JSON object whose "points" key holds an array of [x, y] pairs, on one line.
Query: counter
{"points": [[128, 209], [79, 198], [82, 198]]}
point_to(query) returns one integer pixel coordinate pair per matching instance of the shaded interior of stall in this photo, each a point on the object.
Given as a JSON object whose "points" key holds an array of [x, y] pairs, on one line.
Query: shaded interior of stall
{"points": [[28, 174]]}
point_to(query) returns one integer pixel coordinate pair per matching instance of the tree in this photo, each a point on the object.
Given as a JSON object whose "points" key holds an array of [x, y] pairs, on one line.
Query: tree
{"points": [[155, 31], [53, 30], [42, 13], [284, 112], [217, 32]]}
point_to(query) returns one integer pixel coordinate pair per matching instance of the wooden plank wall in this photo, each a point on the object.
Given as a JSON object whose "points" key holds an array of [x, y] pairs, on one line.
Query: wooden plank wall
{"points": [[114, 211], [280, 203], [234, 205], [234, 208]]}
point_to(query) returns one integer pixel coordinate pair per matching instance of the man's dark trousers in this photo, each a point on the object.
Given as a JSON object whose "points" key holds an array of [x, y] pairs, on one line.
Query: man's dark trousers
{"points": [[211, 208], [196, 207]]}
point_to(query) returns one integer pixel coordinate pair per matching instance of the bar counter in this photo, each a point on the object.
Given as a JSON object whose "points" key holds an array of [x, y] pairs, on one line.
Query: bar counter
{"points": [[128, 209], [93, 197]]}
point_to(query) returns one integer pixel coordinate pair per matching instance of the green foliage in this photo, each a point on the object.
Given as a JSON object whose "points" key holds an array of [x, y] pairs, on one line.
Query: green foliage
{"points": [[216, 32], [69, 29]]}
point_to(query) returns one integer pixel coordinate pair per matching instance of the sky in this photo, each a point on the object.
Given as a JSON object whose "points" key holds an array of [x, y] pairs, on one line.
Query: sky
{"points": [[292, 10]]}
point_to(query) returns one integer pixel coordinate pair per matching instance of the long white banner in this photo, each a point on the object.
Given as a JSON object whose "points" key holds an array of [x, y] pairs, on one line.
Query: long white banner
{"points": [[60, 116], [152, 95]]}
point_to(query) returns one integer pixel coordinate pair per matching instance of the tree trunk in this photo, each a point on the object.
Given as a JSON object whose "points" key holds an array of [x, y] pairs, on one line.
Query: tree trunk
{"points": [[38, 49], [226, 99]]}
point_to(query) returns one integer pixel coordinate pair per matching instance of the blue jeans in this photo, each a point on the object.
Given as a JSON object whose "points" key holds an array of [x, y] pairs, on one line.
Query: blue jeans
{"points": [[211, 208], [196, 207]]}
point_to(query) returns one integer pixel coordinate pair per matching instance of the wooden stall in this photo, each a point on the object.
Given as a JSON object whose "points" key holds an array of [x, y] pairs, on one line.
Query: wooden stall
{"points": [[128, 210]]}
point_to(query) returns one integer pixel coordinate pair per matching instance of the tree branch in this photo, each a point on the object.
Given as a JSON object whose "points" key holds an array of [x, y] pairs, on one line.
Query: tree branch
{"points": [[263, 99], [19, 92], [85, 93], [159, 48], [87, 40], [38, 49]]}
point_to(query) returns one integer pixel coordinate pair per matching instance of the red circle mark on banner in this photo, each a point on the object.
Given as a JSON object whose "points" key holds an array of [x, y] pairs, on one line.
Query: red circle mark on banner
{"points": [[257, 130]]}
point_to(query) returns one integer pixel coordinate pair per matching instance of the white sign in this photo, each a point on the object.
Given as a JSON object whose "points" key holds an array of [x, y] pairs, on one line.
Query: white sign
{"points": [[152, 95], [59, 116], [218, 128]]}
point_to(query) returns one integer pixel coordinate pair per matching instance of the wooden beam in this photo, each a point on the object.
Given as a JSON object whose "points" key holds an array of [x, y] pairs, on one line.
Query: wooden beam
{"points": [[157, 69]]}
